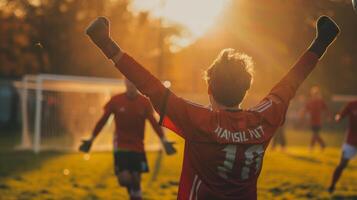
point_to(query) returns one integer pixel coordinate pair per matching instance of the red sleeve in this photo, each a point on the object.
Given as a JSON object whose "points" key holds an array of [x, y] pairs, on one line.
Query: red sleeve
{"points": [[148, 108], [274, 106], [100, 124], [189, 120], [150, 116], [181, 113], [146, 83], [108, 108], [345, 111]]}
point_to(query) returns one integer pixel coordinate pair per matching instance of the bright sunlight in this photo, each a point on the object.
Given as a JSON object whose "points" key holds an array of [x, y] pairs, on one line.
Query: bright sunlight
{"points": [[196, 16]]}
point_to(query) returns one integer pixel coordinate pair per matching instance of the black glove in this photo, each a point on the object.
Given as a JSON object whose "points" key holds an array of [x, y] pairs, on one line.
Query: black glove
{"points": [[326, 32], [99, 32], [85, 146], [169, 147]]}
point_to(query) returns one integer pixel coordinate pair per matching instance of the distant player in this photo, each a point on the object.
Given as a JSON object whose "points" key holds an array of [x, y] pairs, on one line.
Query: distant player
{"points": [[315, 107], [279, 139], [224, 145], [349, 148], [130, 111]]}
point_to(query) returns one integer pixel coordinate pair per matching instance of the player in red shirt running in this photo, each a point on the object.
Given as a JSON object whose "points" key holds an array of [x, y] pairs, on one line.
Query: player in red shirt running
{"points": [[314, 107], [224, 145], [349, 148], [130, 111]]}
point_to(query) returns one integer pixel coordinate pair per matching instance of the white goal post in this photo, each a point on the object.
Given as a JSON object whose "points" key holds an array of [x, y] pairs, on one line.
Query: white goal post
{"points": [[58, 111], [343, 98]]}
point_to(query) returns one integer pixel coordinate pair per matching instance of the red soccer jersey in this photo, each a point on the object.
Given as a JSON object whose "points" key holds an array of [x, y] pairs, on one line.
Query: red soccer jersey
{"points": [[223, 150], [350, 111], [315, 107], [129, 116]]}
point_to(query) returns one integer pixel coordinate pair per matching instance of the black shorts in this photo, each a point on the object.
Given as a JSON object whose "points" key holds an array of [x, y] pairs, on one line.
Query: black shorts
{"points": [[315, 128], [131, 161]]}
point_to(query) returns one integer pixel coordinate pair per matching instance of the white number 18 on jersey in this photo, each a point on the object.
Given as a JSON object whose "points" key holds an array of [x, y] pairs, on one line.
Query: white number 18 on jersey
{"points": [[252, 155]]}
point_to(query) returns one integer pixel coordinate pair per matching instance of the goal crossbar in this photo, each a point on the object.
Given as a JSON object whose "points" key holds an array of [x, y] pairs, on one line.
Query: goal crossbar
{"points": [[47, 83]]}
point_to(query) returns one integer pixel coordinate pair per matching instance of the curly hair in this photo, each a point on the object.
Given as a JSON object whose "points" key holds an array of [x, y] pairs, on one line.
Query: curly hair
{"points": [[229, 77]]}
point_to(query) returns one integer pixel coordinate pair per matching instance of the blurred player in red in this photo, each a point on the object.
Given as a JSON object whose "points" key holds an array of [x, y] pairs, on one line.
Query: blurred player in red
{"points": [[130, 111], [349, 148], [279, 139], [315, 107], [224, 144]]}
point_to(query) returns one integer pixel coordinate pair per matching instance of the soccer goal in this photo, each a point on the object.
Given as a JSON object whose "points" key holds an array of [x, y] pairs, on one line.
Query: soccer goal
{"points": [[59, 111], [338, 101]]}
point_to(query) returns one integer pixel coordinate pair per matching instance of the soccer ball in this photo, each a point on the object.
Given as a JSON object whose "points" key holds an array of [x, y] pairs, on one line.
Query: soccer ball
{"points": [[354, 4]]}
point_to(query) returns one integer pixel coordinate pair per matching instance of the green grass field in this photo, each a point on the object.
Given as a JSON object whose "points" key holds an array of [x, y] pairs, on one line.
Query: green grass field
{"points": [[294, 174]]}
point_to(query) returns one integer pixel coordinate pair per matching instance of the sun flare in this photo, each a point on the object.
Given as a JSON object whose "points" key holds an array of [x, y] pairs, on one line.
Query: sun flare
{"points": [[196, 16]]}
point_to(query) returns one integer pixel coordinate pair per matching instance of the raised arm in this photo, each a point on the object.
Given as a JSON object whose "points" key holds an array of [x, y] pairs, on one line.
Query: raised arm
{"points": [[274, 106], [326, 32], [145, 82], [165, 102]]}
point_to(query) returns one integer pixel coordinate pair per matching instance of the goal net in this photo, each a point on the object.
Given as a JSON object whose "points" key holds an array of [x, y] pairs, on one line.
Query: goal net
{"points": [[59, 111]]}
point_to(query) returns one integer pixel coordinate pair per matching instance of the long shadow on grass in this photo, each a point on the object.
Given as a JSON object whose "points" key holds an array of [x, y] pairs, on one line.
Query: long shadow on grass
{"points": [[347, 197], [304, 190], [304, 158], [13, 163]]}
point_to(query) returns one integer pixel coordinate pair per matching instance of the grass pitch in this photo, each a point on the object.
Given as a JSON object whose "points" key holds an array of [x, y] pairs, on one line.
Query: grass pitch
{"points": [[296, 173]]}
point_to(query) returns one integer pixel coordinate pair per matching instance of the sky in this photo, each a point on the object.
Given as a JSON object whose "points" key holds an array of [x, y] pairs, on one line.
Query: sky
{"points": [[196, 16]]}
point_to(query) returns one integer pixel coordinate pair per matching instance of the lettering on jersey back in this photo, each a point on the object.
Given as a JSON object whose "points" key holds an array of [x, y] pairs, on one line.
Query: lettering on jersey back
{"points": [[239, 136]]}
